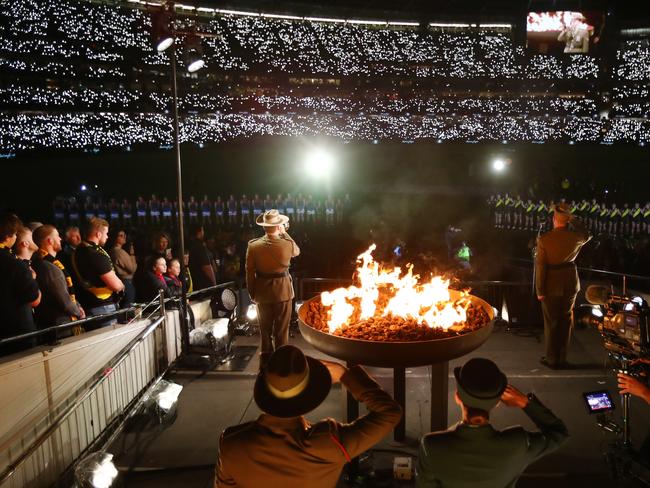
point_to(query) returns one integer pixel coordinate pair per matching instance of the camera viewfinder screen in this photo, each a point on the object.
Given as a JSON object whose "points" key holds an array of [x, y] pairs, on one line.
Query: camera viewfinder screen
{"points": [[598, 401]]}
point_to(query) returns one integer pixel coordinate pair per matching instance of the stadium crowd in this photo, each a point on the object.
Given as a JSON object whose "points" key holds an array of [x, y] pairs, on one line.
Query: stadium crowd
{"points": [[69, 94]]}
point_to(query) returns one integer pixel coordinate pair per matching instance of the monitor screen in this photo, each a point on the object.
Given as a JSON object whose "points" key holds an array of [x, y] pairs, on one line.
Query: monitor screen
{"points": [[562, 31], [598, 401]]}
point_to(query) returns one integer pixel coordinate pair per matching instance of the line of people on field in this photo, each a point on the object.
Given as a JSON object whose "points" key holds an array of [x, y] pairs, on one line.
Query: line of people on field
{"points": [[515, 213], [218, 213]]}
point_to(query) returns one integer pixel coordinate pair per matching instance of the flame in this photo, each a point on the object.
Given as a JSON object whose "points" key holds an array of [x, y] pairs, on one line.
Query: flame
{"points": [[382, 291]]}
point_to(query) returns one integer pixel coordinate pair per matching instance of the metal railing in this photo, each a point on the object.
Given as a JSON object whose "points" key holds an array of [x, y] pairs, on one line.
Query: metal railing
{"points": [[116, 387]]}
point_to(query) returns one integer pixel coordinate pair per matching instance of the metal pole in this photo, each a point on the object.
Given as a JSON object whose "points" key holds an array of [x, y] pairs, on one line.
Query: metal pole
{"points": [[399, 393], [185, 333], [439, 395]]}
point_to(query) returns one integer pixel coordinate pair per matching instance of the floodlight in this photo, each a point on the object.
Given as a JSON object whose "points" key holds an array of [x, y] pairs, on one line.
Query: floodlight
{"points": [[161, 29], [223, 302], [166, 395], [96, 471], [319, 163], [194, 53], [498, 165], [251, 312]]}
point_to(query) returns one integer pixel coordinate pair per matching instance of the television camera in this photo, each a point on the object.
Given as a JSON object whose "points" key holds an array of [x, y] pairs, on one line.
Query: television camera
{"points": [[624, 329]]}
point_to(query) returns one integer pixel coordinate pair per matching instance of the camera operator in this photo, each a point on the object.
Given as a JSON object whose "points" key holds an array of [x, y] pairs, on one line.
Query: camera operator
{"points": [[631, 385]]}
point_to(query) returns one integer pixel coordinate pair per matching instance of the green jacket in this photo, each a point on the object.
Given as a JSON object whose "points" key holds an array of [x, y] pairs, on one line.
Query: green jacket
{"points": [[483, 457]]}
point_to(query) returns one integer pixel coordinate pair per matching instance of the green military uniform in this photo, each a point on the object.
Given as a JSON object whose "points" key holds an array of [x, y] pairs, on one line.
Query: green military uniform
{"points": [[483, 457], [556, 279], [269, 285]]}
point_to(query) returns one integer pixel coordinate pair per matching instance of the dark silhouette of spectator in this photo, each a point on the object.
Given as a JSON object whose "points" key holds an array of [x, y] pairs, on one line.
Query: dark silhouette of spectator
{"points": [[203, 274], [19, 291]]}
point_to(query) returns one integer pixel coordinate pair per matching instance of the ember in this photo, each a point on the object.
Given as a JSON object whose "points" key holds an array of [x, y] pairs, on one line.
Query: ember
{"points": [[386, 306]]}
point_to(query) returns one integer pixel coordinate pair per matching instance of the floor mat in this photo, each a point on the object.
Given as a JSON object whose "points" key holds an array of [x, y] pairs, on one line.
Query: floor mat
{"points": [[238, 359]]}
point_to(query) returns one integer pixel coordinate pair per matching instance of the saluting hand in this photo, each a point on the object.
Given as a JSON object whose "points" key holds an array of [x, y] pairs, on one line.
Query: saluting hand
{"points": [[336, 370], [512, 397]]}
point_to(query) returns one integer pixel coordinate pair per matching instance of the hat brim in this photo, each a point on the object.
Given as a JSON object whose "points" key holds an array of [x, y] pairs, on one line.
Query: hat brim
{"points": [[260, 221], [486, 403], [311, 397]]}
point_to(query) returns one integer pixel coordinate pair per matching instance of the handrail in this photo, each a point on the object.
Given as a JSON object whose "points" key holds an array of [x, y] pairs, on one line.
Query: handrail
{"points": [[106, 371], [137, 309], [594, 270]]}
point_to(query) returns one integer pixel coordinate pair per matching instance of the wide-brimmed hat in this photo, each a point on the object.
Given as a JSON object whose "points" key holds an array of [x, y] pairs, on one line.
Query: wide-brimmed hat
{"points": [[480, 383], [291, 384], [271, 218]]}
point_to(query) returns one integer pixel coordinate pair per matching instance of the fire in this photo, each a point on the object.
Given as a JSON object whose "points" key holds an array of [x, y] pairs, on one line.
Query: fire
{"points": [[381, 292]]}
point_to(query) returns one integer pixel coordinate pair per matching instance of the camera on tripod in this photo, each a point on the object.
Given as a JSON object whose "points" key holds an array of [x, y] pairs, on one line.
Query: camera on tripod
{"points": [[624, 329], [624, 325]]}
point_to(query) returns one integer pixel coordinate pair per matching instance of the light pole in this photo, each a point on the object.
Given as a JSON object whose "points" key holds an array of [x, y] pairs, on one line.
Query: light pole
{"points": [[165, 37]]}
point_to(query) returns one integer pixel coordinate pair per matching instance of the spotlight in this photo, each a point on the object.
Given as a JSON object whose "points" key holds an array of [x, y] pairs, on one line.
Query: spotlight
{"points": [[194, 53], [597, 312], [96, 471], [319, 163], [83, 188], [223, 302], [498, 165], [251, 313], [162, 34], [162, 401]]}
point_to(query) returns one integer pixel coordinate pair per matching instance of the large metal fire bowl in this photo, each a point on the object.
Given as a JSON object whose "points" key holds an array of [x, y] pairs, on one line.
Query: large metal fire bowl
{"points": [[397, 354]]}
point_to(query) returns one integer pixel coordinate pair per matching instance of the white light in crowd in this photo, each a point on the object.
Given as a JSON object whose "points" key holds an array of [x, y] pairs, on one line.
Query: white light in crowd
{"points": [[105, 473], [596, 312], [84, 187], [498, 165], [251, 312], [319, 163]]}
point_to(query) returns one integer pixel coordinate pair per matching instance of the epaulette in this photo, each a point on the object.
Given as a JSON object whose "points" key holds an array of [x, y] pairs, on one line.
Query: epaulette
{"points": [[253, 240], [235, 429]]}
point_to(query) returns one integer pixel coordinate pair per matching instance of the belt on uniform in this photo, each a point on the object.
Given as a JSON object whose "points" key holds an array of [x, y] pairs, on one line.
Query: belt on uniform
{"points": [[271, 275], [570, 264]]}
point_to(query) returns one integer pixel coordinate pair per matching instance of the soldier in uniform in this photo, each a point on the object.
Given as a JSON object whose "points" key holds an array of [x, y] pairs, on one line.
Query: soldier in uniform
{"points": [[556, 281], [636, 215], [518, 209], [114, 211], [258, 206], [154, 209], [219, 211], [614, 219], [167, 212], [269, 282], [498, 211], [206, 212], [127, 213], [193, 209], [245, 207], [232, 210], [592, 218], [141, 211], [529, 215]]}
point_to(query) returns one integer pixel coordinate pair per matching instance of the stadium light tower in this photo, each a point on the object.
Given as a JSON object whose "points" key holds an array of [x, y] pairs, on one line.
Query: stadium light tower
{"points": [[165, 35]]}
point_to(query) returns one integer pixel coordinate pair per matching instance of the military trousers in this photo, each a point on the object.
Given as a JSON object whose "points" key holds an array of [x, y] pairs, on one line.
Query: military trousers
{"points": [[558, 322], [274, 321]]}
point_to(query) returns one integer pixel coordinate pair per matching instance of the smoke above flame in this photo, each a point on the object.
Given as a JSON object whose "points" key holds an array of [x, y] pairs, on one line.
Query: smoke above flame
{"points": [[383, 291]]}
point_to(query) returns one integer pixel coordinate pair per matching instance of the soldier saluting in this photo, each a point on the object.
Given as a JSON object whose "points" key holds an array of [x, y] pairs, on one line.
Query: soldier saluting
{"points": [[269, 282], [557, 283]]}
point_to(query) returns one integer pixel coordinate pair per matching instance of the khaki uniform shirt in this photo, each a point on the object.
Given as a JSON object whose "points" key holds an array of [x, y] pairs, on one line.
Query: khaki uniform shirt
{"points": [[273, 452], [556, 247], [270, 254]]}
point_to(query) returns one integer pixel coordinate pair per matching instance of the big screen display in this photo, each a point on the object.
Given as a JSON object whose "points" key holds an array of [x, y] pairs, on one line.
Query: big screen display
{"points": [[562, 31]]}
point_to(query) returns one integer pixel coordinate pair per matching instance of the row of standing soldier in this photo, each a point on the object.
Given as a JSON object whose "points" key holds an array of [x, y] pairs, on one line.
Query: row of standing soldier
{"points": [[600, 218], [219, 212]]}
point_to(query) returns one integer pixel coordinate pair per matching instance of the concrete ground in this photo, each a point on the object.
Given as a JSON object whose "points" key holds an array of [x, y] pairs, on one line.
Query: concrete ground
{"points": [[184, 453]]}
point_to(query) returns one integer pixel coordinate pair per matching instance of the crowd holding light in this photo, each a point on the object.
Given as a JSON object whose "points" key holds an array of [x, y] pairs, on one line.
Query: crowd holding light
{"points": [[119, 113]]}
